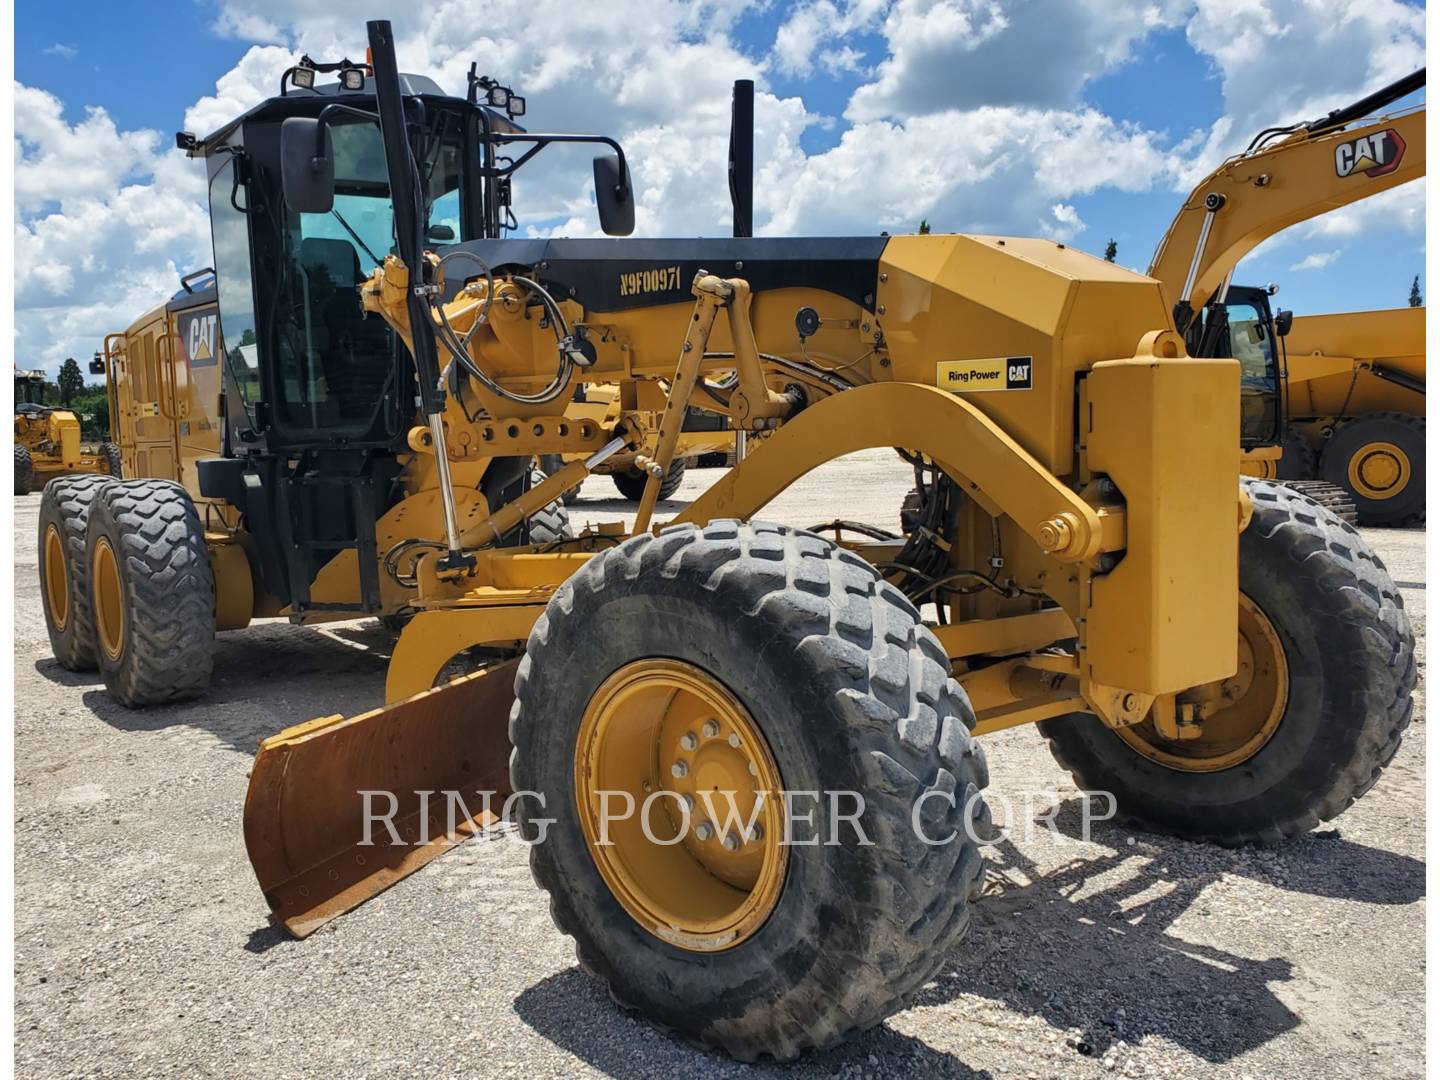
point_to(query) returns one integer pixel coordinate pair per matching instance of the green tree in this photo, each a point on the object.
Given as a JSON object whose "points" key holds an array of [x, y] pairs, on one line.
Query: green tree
{"points": [[1111, 249], [71, 381], [924, 227], [1416, 300]]}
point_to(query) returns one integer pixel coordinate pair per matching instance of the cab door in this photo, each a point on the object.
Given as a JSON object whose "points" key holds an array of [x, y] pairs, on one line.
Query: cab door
{"points": [[193, 385], [144, 402]]}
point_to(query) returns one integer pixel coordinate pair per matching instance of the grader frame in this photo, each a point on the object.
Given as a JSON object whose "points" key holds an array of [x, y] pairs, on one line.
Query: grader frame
{"points": [[1078, 532]]}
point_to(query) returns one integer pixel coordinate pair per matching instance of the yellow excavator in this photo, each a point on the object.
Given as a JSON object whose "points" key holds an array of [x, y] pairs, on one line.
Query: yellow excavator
{"points": [[1342, 401], [742, 755]]}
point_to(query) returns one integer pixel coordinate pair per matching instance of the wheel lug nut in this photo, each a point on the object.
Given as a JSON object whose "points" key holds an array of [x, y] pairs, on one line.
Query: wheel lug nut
{"points": [[689, 801], [679, 769], [731, 842], [751, 766], [735, 740], [711, 729], [688, 741], [704, 831], [756, 832]]}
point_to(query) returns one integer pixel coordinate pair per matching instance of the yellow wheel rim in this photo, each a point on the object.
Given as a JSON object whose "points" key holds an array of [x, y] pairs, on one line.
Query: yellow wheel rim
{"points": [[109, 608], [689, 863], [1379, 470], [1237, 716], [57, 581]]}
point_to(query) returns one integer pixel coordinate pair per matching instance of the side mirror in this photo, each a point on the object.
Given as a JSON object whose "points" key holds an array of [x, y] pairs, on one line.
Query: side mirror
{"points": [[614, 197], [307, 165], [440, 233], [97, 366], [1283, 320]]}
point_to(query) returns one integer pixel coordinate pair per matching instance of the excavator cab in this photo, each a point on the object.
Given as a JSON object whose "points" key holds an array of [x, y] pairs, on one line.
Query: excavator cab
{"points": [[1246, 329]]}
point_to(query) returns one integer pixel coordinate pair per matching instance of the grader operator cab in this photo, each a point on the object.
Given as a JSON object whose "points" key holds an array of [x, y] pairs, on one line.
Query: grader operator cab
{"points": [[1228, 659]]}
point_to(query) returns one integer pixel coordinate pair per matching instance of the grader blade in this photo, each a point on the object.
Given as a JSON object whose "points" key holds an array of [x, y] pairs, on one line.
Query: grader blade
{"points": [[320, 845]]}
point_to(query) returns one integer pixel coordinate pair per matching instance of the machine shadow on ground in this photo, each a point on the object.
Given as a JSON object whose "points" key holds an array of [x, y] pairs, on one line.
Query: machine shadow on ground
{"points": [[573, 1011], [1093, 956], [1046, 943], [253, 693]]}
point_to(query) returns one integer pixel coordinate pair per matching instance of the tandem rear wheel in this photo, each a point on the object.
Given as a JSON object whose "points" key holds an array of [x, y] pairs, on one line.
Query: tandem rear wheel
{"points": [[747, 659], [152, 593]]}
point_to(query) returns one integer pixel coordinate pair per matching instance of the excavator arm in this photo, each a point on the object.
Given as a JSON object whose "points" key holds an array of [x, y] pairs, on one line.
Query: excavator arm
{"points": [[1287, 175]]}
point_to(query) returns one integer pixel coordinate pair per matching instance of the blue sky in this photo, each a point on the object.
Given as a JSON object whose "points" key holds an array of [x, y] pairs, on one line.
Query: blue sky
{"points": [[151, 67]]}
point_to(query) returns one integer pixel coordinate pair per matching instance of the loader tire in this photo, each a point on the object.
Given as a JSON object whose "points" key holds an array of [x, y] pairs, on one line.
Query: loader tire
{"points": [[630, 482], [847, 691], [114, 460], [152, 592], [1380, 460], [1350, 657], [24, 471], [551, 522], [65, 569]]}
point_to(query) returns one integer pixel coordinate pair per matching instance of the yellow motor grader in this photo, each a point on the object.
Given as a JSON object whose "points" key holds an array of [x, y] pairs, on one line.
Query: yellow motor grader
{"points": [[48, 439], [1227, 658]]}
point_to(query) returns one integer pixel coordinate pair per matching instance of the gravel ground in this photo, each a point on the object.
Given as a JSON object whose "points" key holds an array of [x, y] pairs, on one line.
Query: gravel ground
{"points": [[142, 945]]}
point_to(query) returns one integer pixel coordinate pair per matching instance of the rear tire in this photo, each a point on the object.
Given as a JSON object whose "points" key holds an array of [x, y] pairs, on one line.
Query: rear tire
{"points": [[114, 460], [631, 481], [65, 584], [24, 471], [550, 464], [850, 693], [1350, 655], [152, 593], [1380, 460], [551, 522]]}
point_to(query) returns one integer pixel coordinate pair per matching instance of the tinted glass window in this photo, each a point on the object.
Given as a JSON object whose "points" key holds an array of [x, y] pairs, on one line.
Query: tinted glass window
{"points": [[231, 238]]}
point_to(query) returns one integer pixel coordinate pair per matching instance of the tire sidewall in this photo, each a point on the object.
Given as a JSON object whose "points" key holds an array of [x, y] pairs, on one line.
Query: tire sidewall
{"points": [[74, 646], [1327, 652], [713, 637]]}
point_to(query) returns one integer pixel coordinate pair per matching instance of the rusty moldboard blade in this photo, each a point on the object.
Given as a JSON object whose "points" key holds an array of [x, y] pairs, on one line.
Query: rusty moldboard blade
{"points": [[305, 815]]}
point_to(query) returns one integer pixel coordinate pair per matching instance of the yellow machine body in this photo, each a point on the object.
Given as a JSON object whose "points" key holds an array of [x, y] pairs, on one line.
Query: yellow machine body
{"points": [[1338, 363], [1098, 460], [52, 435]]}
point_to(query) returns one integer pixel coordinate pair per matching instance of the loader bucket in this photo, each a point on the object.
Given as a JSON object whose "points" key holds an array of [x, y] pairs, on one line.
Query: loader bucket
{"points": [[308, 819]]}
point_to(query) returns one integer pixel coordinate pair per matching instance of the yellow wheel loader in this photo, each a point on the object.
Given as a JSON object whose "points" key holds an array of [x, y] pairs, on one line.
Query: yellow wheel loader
{"points": [[1332, 405], [48, 439], [743, 755]]}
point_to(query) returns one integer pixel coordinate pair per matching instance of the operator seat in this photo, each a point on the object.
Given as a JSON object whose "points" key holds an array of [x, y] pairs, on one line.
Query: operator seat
{"points": [[354, 353]]}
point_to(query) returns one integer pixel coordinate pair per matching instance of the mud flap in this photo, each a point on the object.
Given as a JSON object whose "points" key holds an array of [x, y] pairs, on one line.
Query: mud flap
{"points": [[307, 815]]}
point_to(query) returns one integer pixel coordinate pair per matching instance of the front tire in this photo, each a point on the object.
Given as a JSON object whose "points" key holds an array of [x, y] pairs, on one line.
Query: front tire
{"points": [[830, 669], [1349, 669], [65, 569], [152, 592]]}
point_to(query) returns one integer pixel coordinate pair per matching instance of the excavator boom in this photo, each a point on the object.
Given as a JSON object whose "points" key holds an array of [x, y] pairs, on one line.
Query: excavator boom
{"points": [[1288, 175]]}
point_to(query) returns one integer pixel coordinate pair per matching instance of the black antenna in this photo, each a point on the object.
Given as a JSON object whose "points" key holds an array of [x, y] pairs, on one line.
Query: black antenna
{"points": [[742, 156]]}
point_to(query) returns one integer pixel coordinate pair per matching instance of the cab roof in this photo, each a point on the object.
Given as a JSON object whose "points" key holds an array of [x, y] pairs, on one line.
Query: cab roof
{"points": [[299, 101]]}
